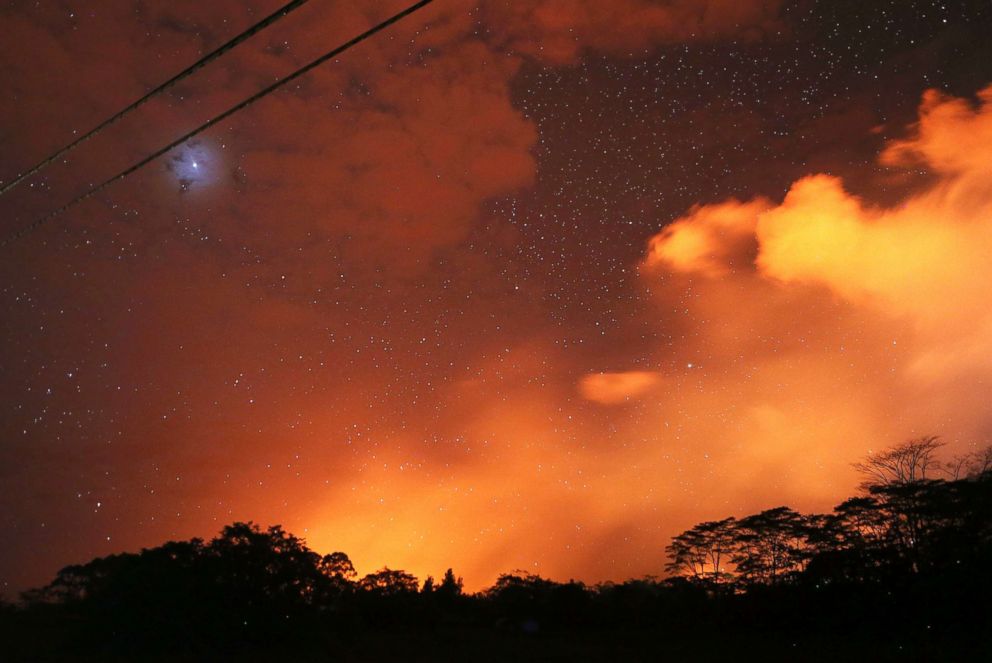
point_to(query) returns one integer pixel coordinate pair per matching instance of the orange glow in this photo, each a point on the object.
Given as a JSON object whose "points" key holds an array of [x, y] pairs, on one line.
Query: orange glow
{"points": [[341, 338], [830, 326], [610, 388], [711, 240]]}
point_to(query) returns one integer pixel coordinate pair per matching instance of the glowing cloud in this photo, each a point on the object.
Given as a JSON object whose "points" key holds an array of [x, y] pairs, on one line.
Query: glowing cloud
{"points": [[712, 239], [612, 388], [872, 320]]}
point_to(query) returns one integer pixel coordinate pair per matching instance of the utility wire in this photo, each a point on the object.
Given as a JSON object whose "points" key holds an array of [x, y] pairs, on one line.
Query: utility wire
{"points": [[219, 118], [199, 64]]}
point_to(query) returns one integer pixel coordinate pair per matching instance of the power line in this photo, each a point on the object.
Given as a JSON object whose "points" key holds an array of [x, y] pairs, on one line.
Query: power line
{"points": [[199, 64], [219, 118]]}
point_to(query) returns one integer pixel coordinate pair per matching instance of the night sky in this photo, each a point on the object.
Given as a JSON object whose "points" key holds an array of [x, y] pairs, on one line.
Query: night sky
{"points": [[514, 285]]}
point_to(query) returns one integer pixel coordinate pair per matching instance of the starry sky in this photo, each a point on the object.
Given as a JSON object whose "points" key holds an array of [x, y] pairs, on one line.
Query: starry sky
{"points": [[515, 285]]}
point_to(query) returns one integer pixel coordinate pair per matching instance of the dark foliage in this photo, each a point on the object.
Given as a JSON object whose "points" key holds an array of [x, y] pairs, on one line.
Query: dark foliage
{"points": [[897, 573]]}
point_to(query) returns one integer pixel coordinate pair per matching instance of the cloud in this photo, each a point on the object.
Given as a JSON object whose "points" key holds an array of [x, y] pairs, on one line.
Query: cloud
{"points": [[613, 388], [952, 138], [713, 239], [389, 153], [831, 323], [557, 30], [923, 257], [906, 260]]}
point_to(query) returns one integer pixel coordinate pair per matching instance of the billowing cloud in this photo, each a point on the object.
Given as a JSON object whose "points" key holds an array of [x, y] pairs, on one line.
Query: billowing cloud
{"points": [[713, 240], [831, 323], [923, 260]]}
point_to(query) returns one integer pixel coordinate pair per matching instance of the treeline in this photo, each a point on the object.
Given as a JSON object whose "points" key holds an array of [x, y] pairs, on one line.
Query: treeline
{"points": [[906, 522], [903, 567]]}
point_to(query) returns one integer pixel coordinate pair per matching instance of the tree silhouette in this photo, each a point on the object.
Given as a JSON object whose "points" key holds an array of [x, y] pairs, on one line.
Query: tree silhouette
{"points": [[852, 543], [703, 551], [970, 465], [904, 463], [771, 546], [270, 567], [338, 565], [389, 582], [450, 586], [338, 577]]}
